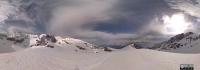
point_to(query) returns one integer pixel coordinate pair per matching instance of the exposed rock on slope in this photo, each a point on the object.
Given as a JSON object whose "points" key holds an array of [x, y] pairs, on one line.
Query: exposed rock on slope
{"points": [[51, 41], [183, 43], [10, 42]]}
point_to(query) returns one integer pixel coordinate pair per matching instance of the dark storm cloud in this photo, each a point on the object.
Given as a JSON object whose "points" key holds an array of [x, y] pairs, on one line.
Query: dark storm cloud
{"points": [[135, 14], [98, 21]]}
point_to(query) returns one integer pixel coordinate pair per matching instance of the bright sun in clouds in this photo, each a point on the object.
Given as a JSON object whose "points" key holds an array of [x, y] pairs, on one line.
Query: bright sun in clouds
{"points": [[175, 24]]}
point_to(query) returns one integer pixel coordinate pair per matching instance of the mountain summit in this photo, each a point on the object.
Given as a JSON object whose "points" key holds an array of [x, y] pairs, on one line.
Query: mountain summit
{"points": [[182, 43], [11, 42]]}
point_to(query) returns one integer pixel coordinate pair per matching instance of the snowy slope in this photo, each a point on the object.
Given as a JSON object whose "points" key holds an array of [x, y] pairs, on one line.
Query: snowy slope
{"points": [[144, 59], [141, 45], [63, 58], [11, 42], [182, 43], [65, 55], [60, 58], [76, 44]]}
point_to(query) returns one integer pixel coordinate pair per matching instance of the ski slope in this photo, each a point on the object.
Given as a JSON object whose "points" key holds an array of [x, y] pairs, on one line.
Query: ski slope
{"points": [[62, 58], [144, 59], [68, 53], [43, 58]]}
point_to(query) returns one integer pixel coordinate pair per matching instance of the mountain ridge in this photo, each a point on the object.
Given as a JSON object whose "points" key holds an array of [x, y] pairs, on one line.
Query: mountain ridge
{"points": [[18, 41], [188, 42]]}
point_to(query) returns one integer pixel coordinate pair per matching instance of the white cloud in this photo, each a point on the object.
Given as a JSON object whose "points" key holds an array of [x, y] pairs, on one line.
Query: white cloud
{"points": [[186, 5], [191, 7], [12, 29], [6, 10], [73, 17], [70, 20]]}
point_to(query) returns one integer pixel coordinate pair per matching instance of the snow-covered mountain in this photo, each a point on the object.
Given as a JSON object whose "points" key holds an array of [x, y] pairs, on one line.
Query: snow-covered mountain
{"points": [[16, 41], [182, 43], [62, 58], [11, 42], [48, 52], [141, 45]]}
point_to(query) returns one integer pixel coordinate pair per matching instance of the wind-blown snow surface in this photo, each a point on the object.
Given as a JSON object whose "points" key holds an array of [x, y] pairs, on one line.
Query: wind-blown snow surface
{"points": [[63, 58]]}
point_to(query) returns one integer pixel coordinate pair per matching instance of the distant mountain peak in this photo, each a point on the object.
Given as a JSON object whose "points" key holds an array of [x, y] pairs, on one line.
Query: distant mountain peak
{"points": [[18, 41], [179, 37], [182, 43]]}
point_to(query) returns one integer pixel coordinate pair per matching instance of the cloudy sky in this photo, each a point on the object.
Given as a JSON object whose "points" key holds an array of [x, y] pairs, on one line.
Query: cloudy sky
{"points": [[102, 21]]}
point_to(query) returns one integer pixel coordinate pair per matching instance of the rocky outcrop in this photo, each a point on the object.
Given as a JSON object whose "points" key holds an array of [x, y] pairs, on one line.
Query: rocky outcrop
{"points": [[179, 37], [178, 41], [44, 40]]}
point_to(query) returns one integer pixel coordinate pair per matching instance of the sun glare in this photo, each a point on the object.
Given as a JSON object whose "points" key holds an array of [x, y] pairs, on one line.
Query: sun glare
{"points": [[175, 24]]}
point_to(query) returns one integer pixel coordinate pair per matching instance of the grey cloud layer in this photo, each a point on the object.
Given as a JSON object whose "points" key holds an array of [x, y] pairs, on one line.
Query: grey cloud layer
{"points": [[61, 17], [189, 7], [81, 18]]}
